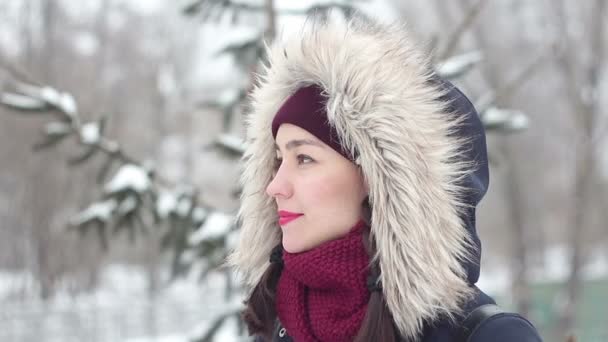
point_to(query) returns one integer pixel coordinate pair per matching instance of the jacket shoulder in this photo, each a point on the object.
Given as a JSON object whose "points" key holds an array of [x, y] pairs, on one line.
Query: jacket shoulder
{"points": [[506, 327]]}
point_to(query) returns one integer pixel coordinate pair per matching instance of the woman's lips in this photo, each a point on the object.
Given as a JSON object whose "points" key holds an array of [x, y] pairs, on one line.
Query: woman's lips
{"points": [[284, 220], [286, 217]]}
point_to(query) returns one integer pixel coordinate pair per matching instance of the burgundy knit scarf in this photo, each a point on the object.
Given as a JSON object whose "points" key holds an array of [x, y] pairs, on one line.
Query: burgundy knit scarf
{"points": [[322, 293]]}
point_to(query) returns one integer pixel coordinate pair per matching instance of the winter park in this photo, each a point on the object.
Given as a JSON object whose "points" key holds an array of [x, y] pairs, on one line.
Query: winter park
{"points": [[191, 171]]}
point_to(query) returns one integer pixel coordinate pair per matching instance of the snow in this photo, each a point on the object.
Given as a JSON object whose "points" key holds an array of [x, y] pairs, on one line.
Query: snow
{"points": [[556, 261], [173, 156], [178, 201], [302, 5], [12, 283], [120, 309], [227, 332], [165, 80], [494, 280], [232, 142], [237, 36], [81, 11], [148, 7], [56, 128], [50, 95], [183, 206], [166, 203], [67, 104], [169, 338], [228, 97], [458, 65], [101, 211], [112, 146], [229, 328], [86, 10], [21, 102], [127, 205], [221, 69], [555, 265], [598, 266], [86, 43], [189, 257], [519, 121], [553, 268], [513, 120], [9, 30], [199, 214], [217, 225], [131, 177], [116, 20], [232, 239], [63, 101], [90, 133]]}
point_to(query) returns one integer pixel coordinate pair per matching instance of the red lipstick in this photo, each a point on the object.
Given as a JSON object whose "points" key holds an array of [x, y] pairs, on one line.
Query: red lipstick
{"points": [[287, 216]]}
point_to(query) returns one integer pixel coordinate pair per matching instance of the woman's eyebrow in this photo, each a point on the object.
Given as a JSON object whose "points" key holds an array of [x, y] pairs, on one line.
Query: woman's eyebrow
{"points": [[299, 142]]}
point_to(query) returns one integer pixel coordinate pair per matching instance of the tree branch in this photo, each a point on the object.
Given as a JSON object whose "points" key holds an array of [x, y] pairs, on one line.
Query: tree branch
{"points": [[200, 6], [510, 87], [455, 37]]}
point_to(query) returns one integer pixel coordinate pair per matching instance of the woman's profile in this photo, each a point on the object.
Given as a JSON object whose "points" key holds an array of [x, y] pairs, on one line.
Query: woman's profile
{"points": [[360, 182]]}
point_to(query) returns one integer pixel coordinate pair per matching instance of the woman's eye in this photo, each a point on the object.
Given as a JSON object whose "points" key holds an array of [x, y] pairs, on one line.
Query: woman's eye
{"points": [[302, 158]]}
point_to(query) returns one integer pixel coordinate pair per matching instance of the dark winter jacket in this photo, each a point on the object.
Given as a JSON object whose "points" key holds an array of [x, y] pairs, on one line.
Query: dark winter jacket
{"points": [[422, 150]]}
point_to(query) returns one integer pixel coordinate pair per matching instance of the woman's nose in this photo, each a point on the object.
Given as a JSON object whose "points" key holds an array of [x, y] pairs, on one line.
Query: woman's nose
{"points": [[279, 185]]}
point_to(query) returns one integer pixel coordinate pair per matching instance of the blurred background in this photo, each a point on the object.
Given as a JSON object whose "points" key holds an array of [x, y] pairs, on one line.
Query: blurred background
{"points": [[121, 126]]}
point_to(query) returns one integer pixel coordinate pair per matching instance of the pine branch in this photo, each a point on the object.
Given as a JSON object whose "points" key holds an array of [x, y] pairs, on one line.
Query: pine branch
{"points": [[134, 197], [206, 8], [457, 66]]}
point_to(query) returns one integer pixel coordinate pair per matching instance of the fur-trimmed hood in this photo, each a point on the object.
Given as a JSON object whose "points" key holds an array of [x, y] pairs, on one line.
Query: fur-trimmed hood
{"points": [[419, 143]]}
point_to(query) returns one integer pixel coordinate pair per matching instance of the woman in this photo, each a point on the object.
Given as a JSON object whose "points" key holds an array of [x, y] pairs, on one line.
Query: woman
{"points": [[362, 173]]}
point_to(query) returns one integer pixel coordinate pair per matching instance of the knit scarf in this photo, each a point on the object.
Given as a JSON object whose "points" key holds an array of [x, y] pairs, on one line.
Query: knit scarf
{"points": [[322, 293]]}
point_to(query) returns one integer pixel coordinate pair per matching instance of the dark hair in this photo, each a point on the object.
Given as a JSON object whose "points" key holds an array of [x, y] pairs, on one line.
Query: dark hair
{"points": [[260, 313], [378, 324]]}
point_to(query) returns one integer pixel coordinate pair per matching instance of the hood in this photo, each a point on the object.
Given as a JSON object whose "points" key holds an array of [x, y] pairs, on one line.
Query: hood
{"points": [[418, 141]]}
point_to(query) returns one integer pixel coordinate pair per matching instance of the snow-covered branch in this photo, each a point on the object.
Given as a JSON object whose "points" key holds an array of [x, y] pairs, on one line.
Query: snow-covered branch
{"points": [[457, 66], [133, 196], [209, 9]]}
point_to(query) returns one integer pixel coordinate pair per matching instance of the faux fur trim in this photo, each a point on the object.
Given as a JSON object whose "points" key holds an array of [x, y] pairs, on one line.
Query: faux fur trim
{"points": [[386, 110]]}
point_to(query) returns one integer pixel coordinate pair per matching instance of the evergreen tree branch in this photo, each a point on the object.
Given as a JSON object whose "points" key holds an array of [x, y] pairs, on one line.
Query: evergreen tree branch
{"points": [[206, 8]]}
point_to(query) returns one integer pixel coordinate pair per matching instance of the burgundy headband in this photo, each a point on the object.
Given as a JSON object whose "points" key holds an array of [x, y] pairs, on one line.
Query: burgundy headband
{"points": [[306, 109]]}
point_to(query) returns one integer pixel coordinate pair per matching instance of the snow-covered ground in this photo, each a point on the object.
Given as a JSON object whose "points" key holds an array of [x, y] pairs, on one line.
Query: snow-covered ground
{"points": [[553, 268], [119, 310]]}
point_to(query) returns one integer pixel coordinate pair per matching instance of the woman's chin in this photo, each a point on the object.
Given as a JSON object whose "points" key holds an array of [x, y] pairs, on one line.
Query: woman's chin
{"points": [[291, 246]]}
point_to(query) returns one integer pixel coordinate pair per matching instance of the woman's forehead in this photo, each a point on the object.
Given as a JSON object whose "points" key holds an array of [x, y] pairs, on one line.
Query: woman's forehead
{"points": [[291, 136]]}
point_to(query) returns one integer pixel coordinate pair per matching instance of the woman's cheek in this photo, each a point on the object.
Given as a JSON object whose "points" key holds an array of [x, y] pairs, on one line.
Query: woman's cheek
{"points": [[324, 198], [320, 188]]}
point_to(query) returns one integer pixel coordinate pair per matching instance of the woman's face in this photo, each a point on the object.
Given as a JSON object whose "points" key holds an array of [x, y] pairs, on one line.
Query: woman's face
{"points": [[314, 181]]}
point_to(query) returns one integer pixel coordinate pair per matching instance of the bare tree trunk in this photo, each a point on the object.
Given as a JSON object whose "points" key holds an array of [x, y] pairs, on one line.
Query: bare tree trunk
{"points": [[514, 196], [26, 34], [43, 179], [577, 229], [48, 13], [520, 286], [586, 113], [271, 19]]}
